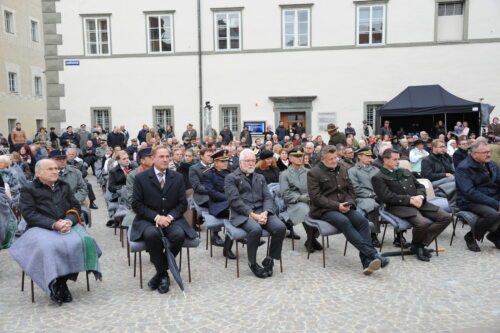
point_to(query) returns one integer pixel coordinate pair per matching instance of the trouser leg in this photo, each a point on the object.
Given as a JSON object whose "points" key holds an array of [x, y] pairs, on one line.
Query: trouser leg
{"points": [[254, 232], [440, 221], [154, 246], [91, 194], [489, 218], [277, 230], [176, 236], [420, 226]]}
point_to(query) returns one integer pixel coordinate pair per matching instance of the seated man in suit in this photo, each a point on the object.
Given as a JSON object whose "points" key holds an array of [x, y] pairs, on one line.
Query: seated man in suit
{"points": [[478, 183], [252, 210], [159, 202], [218, 205], [200, 194], [118, 175], [333, 200], [405, 197]]}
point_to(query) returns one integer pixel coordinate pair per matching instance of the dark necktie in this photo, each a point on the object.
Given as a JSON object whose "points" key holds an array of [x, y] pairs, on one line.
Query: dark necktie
{"points": [[162, 180]]}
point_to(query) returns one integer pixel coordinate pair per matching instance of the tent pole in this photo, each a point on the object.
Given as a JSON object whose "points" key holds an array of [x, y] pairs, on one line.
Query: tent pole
{"points": [[445, 123]]}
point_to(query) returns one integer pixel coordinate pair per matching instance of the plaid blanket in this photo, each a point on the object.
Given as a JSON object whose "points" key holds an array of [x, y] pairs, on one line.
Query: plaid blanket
{"points": [[46, 254]]}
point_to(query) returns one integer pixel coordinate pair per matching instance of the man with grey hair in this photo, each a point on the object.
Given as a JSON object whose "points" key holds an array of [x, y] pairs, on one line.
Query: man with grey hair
{"points": [[478, 182], [252, 210]]}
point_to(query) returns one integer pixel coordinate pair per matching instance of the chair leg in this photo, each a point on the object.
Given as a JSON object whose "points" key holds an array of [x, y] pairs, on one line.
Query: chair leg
{"points": [[237, 261], [400, 235], [135, 263], [32, 292], [323, 246], [121, 234], [22, 281], [189, 265], [226, 255], [140, 269], [293, 240], [128, 253], [345, 247], [211, 245], [454, 224], [180, 260], [328, 242], [436, 242], [383, 236], [281, 265], [206, 245], [88, 284]]}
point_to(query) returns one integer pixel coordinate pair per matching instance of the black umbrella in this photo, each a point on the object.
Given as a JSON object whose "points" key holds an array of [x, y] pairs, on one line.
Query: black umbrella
{"points": [[172, 264]]}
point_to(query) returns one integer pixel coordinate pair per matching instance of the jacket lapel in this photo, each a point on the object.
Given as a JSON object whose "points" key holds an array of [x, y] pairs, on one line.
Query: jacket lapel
{"points": [[154, 178], [169, 176]]}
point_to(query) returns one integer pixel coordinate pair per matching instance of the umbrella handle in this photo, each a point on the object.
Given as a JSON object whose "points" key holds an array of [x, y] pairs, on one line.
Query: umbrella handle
{"points": [[74, 211]]}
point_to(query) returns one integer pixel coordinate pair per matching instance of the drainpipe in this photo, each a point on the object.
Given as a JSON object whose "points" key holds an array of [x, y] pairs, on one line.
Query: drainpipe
{"points": [[200, 75]]}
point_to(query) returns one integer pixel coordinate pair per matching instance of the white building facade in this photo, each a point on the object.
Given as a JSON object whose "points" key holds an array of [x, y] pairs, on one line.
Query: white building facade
{"points": [[138, 62]]}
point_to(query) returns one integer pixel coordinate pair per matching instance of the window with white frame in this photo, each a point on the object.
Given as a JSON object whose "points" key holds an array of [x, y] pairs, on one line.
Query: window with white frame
{"points": [[162, 116], [97, 37], [371, 112], [371, 25], [37, 82], [451, 8], [296, 27], [230, 117], [35, 34], [228, 31], [13, 86], [102, 116], [160, 33], [8, 18]]}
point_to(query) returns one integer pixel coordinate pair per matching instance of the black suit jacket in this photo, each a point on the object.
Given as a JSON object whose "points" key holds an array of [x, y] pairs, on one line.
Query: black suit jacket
{"points": [[117, 179], [149, 200]]}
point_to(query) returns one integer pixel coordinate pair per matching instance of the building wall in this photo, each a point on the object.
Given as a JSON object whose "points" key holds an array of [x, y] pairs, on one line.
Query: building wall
{"points": [[341, 75], [18, 52]]}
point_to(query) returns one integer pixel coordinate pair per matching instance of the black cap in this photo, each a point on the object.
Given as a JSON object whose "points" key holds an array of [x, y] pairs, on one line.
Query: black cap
{"points": [[144, 152], [58, 153], [265, 154], [221, 155]]}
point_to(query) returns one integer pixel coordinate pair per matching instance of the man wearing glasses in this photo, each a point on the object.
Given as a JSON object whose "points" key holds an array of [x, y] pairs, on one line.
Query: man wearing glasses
{"points": [[478, 180], [438, 166], [252, 210]]}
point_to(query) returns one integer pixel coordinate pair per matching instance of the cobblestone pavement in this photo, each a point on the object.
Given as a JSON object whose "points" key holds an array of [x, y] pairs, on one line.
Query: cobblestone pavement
{"points": [[456, 292]]}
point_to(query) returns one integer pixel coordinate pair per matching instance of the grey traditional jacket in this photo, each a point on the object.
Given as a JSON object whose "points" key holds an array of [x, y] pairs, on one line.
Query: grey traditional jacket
{"points": [[293, 188], [361, 178], [75, 180], [245, 197]]}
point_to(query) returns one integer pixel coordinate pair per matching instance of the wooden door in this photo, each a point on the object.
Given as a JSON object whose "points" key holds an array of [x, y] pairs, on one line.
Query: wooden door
{"points": [[293, 118]]}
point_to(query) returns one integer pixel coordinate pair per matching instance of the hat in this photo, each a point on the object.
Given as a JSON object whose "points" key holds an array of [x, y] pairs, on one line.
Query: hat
{"points": [[331, 127], [83, 125], [58, 153], [221, 155], [29, 142], [144, 152], [296, 152], [365, 151], [265, 154]]}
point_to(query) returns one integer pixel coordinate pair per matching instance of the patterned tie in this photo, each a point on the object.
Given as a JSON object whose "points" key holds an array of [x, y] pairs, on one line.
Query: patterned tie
{"points": [[162, 180]]}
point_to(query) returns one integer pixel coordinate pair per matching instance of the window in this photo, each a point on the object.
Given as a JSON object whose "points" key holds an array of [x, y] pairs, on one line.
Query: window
{"points": [[35, 35], [38, 86], [370, 114], [160, 33], [296, 28], [162, 116], [39, 124], [228, 31], [230, 117], [97, 36], [371, 21], [102, 116], [8, 21], [13, 82], [451, 8], [11, 123]]}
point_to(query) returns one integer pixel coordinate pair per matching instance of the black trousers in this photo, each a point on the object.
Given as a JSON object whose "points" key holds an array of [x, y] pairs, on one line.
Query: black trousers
{"points": [[489, 219], [428, 225], [154, 245], [91, 194], [277, 230]]}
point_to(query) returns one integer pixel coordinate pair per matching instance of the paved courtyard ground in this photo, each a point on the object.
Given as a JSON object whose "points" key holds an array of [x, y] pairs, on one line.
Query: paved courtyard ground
{"points": [[456, 292]]}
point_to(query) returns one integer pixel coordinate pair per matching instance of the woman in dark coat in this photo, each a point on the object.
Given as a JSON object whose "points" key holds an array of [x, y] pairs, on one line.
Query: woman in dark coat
{"points": [[267, 167], [283, 161]]}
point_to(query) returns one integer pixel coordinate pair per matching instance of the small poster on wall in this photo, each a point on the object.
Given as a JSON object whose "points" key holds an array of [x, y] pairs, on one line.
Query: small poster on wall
{"points": [[325, 118]]}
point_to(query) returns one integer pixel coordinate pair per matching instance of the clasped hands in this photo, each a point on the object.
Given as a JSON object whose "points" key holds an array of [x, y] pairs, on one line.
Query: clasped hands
{"points": [[259, 218], [163, 221], [63, 226], [416, 201]]}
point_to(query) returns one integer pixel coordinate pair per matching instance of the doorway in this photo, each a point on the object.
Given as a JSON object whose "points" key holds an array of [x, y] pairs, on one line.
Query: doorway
{"points": [[293, 118]]}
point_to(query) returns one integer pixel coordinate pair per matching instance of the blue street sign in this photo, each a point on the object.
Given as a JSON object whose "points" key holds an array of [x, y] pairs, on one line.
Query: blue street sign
{"points": [[72, 62]]}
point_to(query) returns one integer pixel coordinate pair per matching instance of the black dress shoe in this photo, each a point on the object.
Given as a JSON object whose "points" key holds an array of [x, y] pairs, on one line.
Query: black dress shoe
{"points": [[316, 245], [293, 235], [268, 264], [65, 294], [110, 224], [229, 254], [216, 240], [492, 239], [154, 282], [397, 242], [421, 254], [471, 242], [384, 261], [258, 271], [414, 250], [55, 293], [375, 241], [164, 285], [93, 206]]}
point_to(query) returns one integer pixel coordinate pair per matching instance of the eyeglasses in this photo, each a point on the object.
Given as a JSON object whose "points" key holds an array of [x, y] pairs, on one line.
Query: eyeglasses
{"points": [[249, 161]]}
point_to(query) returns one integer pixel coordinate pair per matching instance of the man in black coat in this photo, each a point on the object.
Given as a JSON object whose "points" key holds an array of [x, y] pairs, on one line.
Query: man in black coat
{"points": [[461, 153], [227, 135], [118, 175], [252, 210], [404, 197], [116, 138], [159, 201], [281, 131], [438, 166]]}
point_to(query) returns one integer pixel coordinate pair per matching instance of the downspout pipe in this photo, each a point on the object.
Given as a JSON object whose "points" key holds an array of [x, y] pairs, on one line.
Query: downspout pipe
{"points": [[200, 71]]}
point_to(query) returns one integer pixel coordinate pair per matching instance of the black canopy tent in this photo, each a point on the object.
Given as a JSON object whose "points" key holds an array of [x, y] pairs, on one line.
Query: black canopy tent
{"points": [[426, 105]]}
